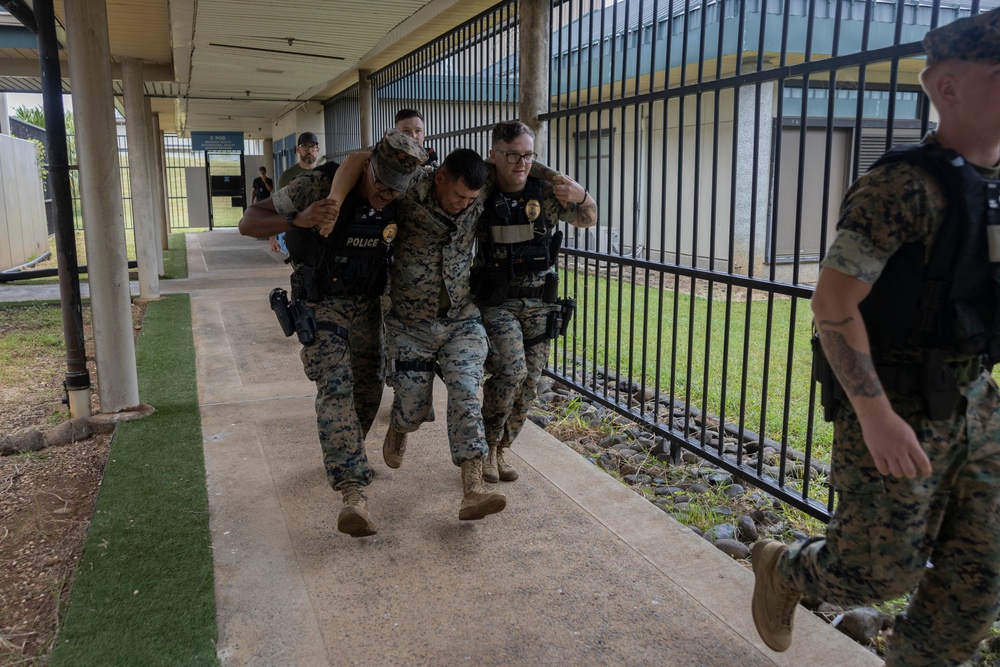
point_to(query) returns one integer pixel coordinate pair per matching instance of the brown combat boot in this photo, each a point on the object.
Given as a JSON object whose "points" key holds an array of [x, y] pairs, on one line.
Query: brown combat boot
{"points": [[478, 502], [354, 518], [490, 474], [394, 447], [774, 602], [506, 471]]}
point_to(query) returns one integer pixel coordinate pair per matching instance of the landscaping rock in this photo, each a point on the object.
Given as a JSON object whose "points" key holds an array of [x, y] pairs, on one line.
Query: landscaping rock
{"points": [[734, 548], [861, 625]]}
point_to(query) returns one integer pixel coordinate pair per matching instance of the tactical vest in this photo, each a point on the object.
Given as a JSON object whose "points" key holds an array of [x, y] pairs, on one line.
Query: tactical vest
{"points": [[951, 301], [353, 260]]}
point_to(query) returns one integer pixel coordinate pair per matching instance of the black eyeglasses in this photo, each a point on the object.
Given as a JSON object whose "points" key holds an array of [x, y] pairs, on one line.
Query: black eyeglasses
{"points": [[514, 157], [382, 187]]}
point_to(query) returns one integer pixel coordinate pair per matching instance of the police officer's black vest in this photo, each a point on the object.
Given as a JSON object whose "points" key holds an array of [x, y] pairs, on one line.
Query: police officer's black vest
{"points": [[517, 245], [952, 302], [354, 259]]}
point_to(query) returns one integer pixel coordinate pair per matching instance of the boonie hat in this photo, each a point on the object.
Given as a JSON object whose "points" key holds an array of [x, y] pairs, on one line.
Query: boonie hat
{"points": [[307, 137], [973, 38], [396, 159]]}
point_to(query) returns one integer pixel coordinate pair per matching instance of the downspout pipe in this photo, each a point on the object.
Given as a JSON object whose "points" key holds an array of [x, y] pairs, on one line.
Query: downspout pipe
{"points": [[77, 375]]}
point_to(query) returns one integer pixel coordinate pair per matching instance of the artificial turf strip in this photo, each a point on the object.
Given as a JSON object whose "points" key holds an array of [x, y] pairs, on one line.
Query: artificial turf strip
{"points": [[144, 589]]}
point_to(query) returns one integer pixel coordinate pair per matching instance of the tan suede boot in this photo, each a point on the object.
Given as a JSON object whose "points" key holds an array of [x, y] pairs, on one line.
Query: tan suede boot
{"points": [[773, 601], [490, 474], [505, 471], [477, 501], [393, 447], [354, 518]]}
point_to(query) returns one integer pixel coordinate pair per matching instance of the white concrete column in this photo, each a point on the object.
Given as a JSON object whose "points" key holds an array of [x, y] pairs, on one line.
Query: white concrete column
{"points": [[156, 169], [751, 204], [269, 159], [365, 107], [140, 179], [533, 49], [101, 200], [4, 117]]}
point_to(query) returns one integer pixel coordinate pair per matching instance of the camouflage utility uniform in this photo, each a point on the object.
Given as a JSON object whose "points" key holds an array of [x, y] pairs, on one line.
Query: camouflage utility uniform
{"points": [[433, 319], [889, 534], [519, 346], [346, 361]]}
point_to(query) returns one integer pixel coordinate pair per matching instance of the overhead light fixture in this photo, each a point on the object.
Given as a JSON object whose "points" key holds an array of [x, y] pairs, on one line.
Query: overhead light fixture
{"points": [[284, 53]]}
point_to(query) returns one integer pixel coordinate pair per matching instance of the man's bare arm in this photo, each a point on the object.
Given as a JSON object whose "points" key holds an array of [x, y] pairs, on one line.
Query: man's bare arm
{"points": [[890, 440], [348, 174], [261, 220]]}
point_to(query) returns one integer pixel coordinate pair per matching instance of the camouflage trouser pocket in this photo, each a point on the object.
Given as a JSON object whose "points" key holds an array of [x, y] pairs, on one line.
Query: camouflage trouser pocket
{"points": [[327, 352], [880, 527]]}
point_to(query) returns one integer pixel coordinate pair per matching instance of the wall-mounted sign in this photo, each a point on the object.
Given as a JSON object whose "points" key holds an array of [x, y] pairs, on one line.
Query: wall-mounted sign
{"points": [[217, 141]]}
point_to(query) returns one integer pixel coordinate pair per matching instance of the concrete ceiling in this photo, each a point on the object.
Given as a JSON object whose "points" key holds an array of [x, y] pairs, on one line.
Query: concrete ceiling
{"points": [[239, 66]]}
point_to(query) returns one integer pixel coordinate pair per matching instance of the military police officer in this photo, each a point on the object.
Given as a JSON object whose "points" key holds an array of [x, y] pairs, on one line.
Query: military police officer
{"points": [[340, 253], [516, 283], [908, 312]]}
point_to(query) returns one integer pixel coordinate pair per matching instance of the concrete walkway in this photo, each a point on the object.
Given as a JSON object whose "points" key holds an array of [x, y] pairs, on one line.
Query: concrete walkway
{"points": [[578, 570]]}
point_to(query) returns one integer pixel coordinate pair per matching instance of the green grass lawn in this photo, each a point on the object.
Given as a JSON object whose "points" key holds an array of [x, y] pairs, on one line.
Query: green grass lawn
{"points": [[710, 353]]}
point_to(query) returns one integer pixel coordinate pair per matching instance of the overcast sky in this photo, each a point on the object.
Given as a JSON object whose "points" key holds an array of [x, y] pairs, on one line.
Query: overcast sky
{"points": [[15, 100]]}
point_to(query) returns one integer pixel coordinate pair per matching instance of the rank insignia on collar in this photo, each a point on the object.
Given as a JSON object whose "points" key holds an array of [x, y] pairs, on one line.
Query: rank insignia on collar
{"points": [[532, 209], [389, 232]]}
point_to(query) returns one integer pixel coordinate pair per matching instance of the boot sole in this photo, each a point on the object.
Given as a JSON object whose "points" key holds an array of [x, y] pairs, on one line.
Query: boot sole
{"points": [[508, 476], [355, 525], [483, 509]]}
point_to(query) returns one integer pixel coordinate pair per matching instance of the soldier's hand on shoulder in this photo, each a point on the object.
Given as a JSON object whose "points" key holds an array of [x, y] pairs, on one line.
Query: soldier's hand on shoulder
{"points": [[321, 214], [566, 190]]}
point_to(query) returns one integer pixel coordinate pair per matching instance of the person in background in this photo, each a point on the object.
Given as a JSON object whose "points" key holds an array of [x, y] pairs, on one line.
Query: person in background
{"points": [[307, 148], [410, 122], [908, 313], [262, 186]]}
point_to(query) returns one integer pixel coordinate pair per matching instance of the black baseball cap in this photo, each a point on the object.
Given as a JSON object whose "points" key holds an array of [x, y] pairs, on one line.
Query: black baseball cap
{"points": [[307, 137]]}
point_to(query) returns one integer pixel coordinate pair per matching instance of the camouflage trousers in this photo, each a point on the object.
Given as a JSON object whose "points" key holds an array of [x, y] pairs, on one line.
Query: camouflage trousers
{"points": [[514, 371], [348, 375], [937, 535], [459, 348]]}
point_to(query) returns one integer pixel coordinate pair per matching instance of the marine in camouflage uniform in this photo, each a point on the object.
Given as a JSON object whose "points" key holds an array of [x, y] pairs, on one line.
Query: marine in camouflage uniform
{"points": [[919, 489], [515, 309], [433, 323], [433, 319], [346, 359]]}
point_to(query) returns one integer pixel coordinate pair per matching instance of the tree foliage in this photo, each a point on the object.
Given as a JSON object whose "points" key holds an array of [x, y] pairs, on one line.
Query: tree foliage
{"points": [[36, 116]]}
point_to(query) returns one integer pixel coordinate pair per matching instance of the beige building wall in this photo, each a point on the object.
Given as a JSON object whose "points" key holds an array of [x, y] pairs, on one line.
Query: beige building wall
{"points": [[23, 234]]}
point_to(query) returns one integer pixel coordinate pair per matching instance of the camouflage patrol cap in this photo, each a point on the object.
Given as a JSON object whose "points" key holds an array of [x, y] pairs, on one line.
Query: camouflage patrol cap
{"points": [[973, 38], [396, 158]]}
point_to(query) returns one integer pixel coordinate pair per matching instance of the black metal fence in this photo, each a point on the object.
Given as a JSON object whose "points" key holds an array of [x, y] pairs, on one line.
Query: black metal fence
{"points": [[718, 138]]}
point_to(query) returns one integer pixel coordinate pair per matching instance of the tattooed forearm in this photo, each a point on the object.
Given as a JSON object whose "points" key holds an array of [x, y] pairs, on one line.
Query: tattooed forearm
{"points": [[854, 369], [586, 216]]}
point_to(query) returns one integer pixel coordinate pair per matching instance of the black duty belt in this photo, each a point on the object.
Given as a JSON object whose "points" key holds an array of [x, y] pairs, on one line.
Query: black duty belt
{"points": [[525, 292]]}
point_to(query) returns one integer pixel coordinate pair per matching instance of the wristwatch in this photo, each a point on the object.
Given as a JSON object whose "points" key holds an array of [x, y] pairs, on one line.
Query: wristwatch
{"points": [[290, 219]]}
